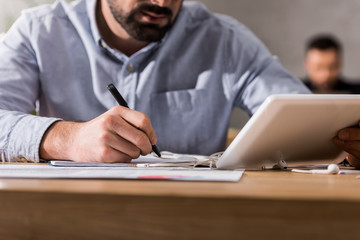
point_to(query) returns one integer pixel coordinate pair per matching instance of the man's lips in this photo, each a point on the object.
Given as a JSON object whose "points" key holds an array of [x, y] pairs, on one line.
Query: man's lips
{"points": [[154, 18], [154, 15]]}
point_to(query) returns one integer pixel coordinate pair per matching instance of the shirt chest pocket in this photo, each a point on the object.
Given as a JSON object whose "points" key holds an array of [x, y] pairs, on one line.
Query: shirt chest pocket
{"points": [[179, 120]]}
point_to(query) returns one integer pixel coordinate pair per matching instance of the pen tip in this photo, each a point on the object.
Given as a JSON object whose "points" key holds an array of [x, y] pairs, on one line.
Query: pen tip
{"points": [[156, 150]]}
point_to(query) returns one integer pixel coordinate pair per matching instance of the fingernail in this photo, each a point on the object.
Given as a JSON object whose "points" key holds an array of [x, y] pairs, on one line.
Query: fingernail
{"points": [[344, 134]]}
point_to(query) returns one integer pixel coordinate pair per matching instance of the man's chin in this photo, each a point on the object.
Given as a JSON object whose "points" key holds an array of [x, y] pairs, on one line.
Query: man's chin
{"points": [[150, 34]]}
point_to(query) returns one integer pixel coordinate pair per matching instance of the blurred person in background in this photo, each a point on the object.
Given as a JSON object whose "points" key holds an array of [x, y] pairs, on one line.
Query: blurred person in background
{"points": [[323, 65]]}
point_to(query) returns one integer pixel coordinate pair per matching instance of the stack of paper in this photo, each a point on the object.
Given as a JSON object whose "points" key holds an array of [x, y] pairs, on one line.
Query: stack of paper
{"points": [[109, 172], [170, 167]]}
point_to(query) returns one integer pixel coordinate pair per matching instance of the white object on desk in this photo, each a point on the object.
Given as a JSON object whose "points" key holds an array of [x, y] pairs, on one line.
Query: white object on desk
{"points": [[168, 159], [295, 129], [348, 171], [331, 169], [179, 174]]}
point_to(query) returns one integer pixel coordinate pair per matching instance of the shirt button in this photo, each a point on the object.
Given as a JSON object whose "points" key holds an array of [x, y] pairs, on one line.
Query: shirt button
{"points": [[103, 44], [130, 68]]}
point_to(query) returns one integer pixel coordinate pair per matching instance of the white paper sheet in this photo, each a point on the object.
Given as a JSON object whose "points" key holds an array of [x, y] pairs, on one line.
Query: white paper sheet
{"points": [[167, 160], [179, 174]]}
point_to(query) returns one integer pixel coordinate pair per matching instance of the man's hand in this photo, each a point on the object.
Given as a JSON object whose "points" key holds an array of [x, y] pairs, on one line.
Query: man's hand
{"points": [[119, 135], [349, 140]]}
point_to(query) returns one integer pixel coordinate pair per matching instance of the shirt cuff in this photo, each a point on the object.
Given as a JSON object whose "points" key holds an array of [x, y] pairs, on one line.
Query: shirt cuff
{"points": [[25, 138]]}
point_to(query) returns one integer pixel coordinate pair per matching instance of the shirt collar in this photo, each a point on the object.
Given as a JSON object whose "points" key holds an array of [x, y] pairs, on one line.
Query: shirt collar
{"points": [[91, 10]]}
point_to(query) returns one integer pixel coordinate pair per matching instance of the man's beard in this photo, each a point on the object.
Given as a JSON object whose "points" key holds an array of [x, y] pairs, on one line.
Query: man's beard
{"points": [[146, 32]]}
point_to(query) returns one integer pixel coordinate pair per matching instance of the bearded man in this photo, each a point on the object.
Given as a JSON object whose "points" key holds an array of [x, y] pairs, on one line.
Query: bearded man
{"points": [[174, 62]]}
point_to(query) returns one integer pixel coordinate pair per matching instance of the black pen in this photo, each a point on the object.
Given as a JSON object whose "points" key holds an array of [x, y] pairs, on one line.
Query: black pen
{"points": [[123, 103]]}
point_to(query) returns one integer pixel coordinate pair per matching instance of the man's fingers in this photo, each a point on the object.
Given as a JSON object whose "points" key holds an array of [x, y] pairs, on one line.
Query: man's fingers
{"points": [[349, 134], [139, 120], [111, 155], [352, 147], [118, 126], [119, 144], [355, 162], [132, 135], [122, 145]]}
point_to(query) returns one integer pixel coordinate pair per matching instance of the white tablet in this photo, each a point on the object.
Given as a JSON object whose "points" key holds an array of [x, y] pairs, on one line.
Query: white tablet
{"points": [[292, 130]]}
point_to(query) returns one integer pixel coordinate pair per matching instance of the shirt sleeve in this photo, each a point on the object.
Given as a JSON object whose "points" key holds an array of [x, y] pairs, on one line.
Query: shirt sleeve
{"points": [[20, 131], [255, 73]]}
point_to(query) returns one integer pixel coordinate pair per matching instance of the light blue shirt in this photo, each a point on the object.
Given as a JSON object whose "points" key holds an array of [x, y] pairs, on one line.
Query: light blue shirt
{"points": [[188, 83]]}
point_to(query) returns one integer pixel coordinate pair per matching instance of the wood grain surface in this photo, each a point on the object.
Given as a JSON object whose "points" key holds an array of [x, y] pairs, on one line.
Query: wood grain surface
{"points": [[262, 205]]}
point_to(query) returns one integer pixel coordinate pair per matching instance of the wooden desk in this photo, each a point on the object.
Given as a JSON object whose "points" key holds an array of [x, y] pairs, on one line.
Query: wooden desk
{"points": [[263, 205]]}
